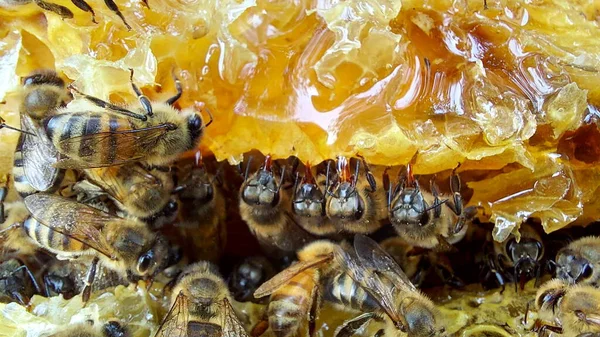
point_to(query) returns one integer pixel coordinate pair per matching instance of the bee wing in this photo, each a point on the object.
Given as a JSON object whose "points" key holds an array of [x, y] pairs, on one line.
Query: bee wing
{"points": [[371, 275], [126, 145], [374, 257], [176, 321], [232, 327], [39, 156], [77, 221], [107, 179], [285, 275]]}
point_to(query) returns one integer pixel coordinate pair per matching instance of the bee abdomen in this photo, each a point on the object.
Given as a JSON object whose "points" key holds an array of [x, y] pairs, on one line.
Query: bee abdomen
{"points": [[344, 291], [21, 182], [289, 305], [85, 124], [52, 240]]}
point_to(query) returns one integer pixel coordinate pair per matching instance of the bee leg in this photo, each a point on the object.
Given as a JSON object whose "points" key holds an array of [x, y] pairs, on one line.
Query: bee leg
{"points": [[113, 7], [89, 280], [3, 193], [314, 312], [349, 327], [81, 4], [144, 101], [22, 300], [260, 327], [368, 174], [106, 105], [437, 210], [63, 11], [34, 282], [178, 87], [592, 319]]}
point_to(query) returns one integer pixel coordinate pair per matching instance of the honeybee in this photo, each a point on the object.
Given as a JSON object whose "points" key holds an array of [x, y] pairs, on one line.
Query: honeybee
{"points": [[139, 192], [402, 306], [353, 205], [263, 207], [71, 230], [17, 283], [308, 205], [523, 257], [418, 264], [43, 92], [419, 217], [67, 278], [201, 220], [93, 133], [89, 329], [294, 293], [247, 276], [201, 306], [573, 308], [579, 261]]}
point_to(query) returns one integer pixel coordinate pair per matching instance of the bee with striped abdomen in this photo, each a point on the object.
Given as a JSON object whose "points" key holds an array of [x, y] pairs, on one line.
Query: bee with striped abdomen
{"points": [[353, 205], [71, 230], [201, 306], [33, 166], [93, 133], [399, 303], [295, 292]]}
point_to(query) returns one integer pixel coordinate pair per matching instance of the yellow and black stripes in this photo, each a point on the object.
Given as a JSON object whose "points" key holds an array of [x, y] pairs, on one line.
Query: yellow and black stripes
{"points": [[52, 240], [342, 290], [289, 305]]}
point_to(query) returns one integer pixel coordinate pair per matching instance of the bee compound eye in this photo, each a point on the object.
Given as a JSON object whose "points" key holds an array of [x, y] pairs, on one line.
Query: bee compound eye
{"points": [[145, 261]]}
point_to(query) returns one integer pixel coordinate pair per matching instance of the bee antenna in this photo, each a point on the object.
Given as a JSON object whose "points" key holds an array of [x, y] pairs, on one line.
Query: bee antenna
{"points": [[356, 173], [4, 125], [247, 168], [327, 187], [295, 186], [177, 96], [441, 202], [144, 101], [211, 119], [282, 178]]}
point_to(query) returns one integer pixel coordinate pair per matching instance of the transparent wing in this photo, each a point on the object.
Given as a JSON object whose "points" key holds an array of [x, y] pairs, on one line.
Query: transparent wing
{"points": [[108, 178], [39, 156], [232, 327], [77, 221], [176, 321], [372, 256], [126, 145], [285, 275], [371, 280]]}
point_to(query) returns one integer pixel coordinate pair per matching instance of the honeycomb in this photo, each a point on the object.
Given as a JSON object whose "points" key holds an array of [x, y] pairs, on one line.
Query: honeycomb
{"points": [[508, 89]]}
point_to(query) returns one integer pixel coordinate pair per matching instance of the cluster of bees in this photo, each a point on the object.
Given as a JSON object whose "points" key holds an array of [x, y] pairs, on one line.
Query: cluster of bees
{"points": [[109, 196]]}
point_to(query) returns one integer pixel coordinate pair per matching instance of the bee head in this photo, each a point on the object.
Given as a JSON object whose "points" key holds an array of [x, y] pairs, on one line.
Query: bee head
{"points": [[572, 267], [409, 207], [524, 255], [262, 189], [154, 260], [309, 201], [550, 295], [248, 276], [346, 202]]}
